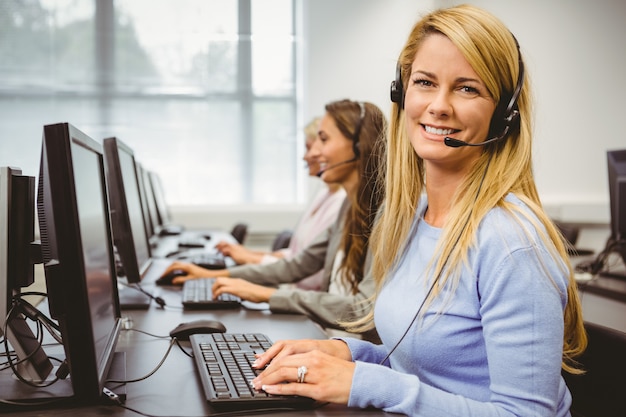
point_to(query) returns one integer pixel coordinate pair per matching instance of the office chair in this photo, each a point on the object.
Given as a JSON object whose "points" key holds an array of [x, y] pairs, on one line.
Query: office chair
{"points": [[239, 232], [281, 241], [600, 391]]}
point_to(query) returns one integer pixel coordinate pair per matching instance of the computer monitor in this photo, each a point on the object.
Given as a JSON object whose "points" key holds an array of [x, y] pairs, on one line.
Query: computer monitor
{"points": [[616, 162], [163, 214], [17, 231], [129, 232], [144, 201], [151, 206], [77, 251]]}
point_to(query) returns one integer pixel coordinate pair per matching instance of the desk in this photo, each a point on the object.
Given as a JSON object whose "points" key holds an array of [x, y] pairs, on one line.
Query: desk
{"points": [[174, 390], [600, 392], [603, 298]]}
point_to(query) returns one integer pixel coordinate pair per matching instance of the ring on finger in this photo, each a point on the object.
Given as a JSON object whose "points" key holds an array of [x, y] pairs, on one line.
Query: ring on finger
{"points": [[302, 371]]}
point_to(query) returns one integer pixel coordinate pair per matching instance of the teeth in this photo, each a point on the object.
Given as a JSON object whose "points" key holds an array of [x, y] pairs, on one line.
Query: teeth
{"points": [[430, 129]]}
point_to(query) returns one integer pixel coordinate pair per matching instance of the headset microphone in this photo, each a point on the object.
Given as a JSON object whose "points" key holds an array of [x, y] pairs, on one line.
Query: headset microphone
{"points": [[456, 143], [347, 161]]}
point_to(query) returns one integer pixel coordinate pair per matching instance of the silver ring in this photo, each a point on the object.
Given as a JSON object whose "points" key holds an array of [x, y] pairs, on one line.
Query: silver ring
{"points": [[302, 370]]}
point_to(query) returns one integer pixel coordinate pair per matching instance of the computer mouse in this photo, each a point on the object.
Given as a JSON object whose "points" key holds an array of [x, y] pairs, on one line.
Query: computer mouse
{"points": [[184, 330], [169, 277]]}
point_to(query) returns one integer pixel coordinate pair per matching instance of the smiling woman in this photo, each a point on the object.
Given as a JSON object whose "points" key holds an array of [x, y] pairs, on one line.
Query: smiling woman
{"points": [[476, 303]]}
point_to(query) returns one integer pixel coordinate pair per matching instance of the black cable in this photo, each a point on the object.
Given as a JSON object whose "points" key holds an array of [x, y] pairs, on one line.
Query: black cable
{"points": [[599, 263], [160, 301], [13, 364], [169, 348], [436, 280]]}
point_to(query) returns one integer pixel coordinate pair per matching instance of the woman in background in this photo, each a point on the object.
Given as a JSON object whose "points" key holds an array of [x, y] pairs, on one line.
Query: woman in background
{"points": [[476, 303], [353, 142], [320, 214]]}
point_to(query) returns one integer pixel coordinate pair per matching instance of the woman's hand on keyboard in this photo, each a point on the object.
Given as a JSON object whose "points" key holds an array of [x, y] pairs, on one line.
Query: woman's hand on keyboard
{"points": [[240, 254], [193, 272], [329, 370], [243, 289]]}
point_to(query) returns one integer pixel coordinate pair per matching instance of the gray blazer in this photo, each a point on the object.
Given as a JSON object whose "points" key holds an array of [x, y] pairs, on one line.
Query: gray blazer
{"points": [[322, 307]]}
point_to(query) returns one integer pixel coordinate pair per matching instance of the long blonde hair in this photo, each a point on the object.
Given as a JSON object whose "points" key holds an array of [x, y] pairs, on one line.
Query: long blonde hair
{"points": [[504, 167]]}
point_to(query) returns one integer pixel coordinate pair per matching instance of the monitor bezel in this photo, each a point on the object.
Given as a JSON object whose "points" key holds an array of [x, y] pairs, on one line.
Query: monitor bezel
{"points": [[144, 204], [123, 235], [64, 262], [152, 209], [162, 210], [17, 270]]}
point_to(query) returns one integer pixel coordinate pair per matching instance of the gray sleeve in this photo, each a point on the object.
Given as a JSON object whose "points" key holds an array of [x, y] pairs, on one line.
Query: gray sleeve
{"points": [[325, 308], [306, 263]]}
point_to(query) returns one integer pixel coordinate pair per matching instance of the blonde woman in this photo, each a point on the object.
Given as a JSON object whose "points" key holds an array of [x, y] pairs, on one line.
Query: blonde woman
{"points": [[476, 304]]}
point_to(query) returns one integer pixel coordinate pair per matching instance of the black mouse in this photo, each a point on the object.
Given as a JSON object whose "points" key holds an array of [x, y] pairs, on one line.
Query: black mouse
{"points": [[184, 330], [169, 277]]}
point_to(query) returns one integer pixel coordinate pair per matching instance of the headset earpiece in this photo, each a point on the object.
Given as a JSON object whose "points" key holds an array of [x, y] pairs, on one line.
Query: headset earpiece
{"points": [[506, 119], [397, 90], [357, 131]]}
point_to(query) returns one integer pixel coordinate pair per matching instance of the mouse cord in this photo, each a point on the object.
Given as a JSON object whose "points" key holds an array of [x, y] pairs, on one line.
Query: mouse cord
{"points": [[160, 301], [169, 349]]}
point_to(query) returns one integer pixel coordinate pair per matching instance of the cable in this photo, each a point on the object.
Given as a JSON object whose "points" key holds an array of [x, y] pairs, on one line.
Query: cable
{"points": [[13, 312], [599, 263], [169, 348], [160, 301], [436, 280]]}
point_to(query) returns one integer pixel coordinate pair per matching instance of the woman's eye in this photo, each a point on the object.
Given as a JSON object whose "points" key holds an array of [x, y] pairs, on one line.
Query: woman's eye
{"points": [[469, 90], [422, 82]]}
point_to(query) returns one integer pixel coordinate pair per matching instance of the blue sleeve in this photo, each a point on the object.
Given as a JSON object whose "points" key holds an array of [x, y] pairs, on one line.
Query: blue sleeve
{"points": [[362, 350], [521, 305]]}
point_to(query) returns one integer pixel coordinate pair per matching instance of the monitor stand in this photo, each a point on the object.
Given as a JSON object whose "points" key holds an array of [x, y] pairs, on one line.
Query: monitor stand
{"points": [[117, 372], [132, 298], [23, 397]]}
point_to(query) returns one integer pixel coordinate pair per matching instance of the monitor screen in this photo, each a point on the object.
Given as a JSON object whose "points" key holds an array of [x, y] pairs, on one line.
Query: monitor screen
{"points": [[159, 198], [17, 231], [77, 250], [616, 162], [151, 203], [144, 202], [129, 232]]}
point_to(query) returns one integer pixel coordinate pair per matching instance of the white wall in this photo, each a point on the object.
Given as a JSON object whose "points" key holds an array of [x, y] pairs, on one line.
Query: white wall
{"points": [[573, 51]]}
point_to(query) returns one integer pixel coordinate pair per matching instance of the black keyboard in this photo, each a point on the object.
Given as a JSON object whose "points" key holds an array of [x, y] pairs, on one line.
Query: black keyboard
{"points": [[224, 362], [208, 260], [192, 242], [197, 295]]}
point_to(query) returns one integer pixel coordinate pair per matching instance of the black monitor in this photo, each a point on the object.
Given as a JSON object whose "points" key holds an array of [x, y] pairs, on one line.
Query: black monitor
{"points": [[151, 207], [77, 250], [144, 201], [17, 231], [129, 232], [163, 214], [616, 162]]}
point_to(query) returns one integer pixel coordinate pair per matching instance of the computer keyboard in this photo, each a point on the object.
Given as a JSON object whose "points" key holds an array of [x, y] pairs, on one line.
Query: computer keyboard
{"points": [[208, 260], [224, 362], [197, 295], [192, 242]]}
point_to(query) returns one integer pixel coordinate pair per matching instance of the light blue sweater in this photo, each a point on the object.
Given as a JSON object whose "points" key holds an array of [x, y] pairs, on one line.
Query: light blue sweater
{"points": [[495, 350]]}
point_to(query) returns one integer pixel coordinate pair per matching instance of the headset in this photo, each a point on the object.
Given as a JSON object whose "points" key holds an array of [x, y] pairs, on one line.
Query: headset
{"points": [[507, 119], [355, 143], [504, 119], [357, 131]]}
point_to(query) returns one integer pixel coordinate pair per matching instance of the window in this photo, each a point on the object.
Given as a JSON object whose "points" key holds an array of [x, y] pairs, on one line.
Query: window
{"points": [[204, 91]]}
